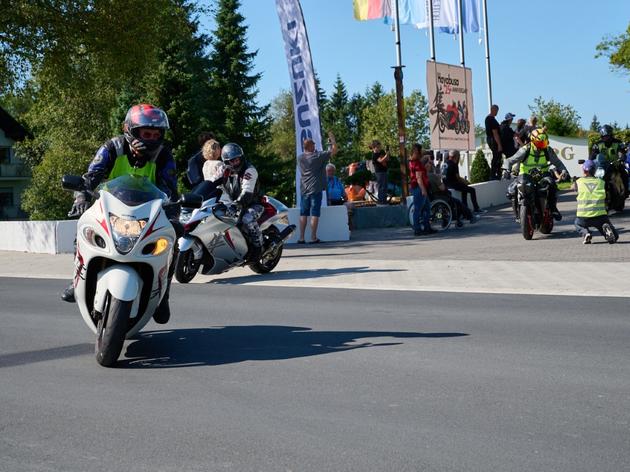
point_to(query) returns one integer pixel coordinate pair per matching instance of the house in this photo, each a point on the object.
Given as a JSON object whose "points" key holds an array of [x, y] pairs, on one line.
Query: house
{"points": [[15, 176]]}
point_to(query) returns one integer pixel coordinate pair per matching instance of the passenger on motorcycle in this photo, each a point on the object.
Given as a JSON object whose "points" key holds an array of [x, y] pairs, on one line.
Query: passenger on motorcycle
{"points": [[141, 151], [613, 149], [536, 154], [240, 183]]}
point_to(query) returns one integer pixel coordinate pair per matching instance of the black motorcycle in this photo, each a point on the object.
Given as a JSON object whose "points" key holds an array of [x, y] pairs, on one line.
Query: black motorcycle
{"points": [[533, 203], [614, 173]]}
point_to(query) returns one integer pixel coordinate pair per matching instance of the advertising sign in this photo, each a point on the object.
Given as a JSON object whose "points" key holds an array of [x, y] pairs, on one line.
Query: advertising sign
{"points": [[451, 113]]}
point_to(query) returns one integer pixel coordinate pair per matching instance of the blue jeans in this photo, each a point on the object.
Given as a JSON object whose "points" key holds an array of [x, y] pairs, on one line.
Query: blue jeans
{"points": [[310, 205], [381, 182], [421, 207]]}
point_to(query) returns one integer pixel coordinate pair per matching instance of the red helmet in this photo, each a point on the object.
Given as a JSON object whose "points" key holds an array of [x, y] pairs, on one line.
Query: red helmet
{"points": [[145, 116]]}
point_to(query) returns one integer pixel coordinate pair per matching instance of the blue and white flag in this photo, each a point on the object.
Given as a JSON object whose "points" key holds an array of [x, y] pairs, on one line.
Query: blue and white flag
{"points": [[305, 107], [445, 14]]}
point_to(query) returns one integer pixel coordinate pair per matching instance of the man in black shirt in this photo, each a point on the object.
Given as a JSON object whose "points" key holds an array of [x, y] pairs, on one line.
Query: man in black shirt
{"points": [[507, 136], [494, 142], [380, 159], [455, 182]]}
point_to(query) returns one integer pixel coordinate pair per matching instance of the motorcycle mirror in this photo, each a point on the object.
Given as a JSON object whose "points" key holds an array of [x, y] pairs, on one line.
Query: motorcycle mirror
{"points": [[191, 200], [73, 182], [581, 161]]}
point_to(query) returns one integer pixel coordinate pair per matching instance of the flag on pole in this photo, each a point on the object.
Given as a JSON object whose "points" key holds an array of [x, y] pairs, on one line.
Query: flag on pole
{"points": [[302, 77], [416, 12]]}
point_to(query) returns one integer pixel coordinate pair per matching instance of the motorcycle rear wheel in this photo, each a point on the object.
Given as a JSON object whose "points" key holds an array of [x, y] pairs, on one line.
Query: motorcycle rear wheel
{"points": [[111, 331], [527, 225], [267, 263], [546, 227]]}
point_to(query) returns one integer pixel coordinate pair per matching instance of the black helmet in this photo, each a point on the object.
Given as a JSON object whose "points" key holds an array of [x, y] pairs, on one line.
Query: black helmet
{"points": [[230, 153], [145, 116], [606, 130]]}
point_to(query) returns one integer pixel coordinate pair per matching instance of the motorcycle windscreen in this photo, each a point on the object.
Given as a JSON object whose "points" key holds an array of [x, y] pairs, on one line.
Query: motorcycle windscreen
{"points": [[132, 190]]}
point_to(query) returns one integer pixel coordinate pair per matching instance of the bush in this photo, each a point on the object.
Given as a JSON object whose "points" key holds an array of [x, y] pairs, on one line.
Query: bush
{"points": [[480, 170]]}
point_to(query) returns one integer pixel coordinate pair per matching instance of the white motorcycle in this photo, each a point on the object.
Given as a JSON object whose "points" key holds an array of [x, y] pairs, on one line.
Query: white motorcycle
{"points": [[213, 242], [124, 246]]}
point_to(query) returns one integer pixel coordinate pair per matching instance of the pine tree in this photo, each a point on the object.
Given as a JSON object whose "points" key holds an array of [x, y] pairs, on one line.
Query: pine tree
{"points": [[337, 114], [236, 114], [595, 124]]}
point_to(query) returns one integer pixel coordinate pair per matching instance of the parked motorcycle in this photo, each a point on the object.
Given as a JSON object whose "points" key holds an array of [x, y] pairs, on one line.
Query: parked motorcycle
{"points": [[613, 174], [213, 242], [533, 205], [124, 245]]}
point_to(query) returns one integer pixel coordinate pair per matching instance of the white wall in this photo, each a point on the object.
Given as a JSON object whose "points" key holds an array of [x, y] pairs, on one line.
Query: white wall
{"points": [[333, 224], [28, 236]]}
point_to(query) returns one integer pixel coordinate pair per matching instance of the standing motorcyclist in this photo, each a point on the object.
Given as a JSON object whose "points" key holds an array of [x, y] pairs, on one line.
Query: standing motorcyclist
{"points": [[536, 154], [140, 151], [240, 183], [613, 149]]}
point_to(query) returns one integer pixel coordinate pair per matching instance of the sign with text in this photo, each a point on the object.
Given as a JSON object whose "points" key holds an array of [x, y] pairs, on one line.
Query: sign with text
{"points": [[450, 106], [569, 150]]}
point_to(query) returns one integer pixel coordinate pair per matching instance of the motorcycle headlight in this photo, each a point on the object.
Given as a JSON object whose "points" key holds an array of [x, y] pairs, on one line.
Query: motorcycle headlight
{"points": [[126, 232]]}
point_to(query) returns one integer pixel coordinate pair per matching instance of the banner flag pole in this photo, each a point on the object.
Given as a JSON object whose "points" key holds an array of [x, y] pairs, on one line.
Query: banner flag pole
{"points": [[489, 77]]}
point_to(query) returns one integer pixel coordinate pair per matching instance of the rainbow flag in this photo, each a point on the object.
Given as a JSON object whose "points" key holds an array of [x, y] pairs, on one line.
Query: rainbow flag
{"points": [[372, 9]]}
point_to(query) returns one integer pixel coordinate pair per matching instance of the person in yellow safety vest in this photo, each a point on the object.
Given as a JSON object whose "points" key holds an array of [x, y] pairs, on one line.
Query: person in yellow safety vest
{"points": [[591, 206], [535, 154], [142, 151], [613, 150]]}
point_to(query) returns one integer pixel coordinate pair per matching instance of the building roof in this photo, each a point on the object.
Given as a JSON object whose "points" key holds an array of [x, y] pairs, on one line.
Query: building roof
{"points": [[11, 127]]}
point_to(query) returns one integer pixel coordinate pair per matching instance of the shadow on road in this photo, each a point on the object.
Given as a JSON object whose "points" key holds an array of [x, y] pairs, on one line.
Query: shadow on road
{"points": [[41, 355], [232, 344], [300, 274]]}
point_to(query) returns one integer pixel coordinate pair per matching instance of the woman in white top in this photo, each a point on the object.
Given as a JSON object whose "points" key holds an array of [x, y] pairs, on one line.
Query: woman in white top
{"points": [[213, 166]]}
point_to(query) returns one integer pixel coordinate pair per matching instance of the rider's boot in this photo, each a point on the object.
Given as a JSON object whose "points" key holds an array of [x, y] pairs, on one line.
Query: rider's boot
{"points": [[68, 294], [556, 213], [163, 312]]}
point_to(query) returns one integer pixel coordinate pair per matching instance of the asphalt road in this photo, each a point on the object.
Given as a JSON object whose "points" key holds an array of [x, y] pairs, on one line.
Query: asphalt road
{"points": [[252, 378]]}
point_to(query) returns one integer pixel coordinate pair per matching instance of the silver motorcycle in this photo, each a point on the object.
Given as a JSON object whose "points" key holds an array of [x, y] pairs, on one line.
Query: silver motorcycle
{"points": [[213, 242]]}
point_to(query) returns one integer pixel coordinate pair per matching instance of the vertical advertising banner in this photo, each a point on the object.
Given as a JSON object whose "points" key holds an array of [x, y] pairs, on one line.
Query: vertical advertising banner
{"points": [[451, 114], [305, 107]]}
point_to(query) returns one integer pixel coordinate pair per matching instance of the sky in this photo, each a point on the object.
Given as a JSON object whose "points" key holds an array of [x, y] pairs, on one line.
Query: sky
{"points": [[538, 48]]}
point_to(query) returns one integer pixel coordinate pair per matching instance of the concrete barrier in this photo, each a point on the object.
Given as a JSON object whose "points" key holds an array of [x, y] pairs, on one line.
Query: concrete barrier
{"points": [[28, 236], [489, 194], [333, 224]]}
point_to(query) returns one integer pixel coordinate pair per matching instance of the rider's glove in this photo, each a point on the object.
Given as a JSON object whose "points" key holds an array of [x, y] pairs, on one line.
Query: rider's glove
{"points": [[80, 204], [506, 174], [232, 210], [138, 146]]}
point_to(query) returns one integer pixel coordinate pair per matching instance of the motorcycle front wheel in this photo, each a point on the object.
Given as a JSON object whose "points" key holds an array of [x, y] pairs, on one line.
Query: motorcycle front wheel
{"points": [[186, 266], [111, 330], [527, 223]]}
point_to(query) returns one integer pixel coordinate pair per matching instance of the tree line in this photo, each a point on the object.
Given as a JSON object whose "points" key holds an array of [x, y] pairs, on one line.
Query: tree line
{"points": [[70, 70]]}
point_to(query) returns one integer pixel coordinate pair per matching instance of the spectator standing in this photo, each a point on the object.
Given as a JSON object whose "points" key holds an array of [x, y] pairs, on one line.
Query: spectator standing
{"points": [[520, 136], [380, 159], [334, 188], [493, 139], [455, 182], [312, 166], [419, 186], [507, 135], [531, 125]]}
